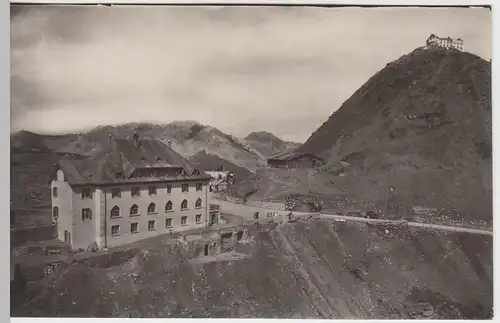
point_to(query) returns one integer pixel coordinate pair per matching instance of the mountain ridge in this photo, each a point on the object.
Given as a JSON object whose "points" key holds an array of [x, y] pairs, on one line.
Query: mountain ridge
{"points": [[187, 137]]}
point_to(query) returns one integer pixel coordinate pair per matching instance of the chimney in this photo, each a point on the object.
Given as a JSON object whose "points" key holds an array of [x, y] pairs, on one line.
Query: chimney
{"points": [[137, 141], [169, 143]]}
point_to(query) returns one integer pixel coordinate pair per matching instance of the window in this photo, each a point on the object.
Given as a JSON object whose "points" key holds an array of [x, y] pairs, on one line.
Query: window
{"points": [[185, 187], [199, 186], [198, 203], [198, 218], [115, 230], [134, 227], [152, 190], [168, 223], [55, 212], [54, 192], [184, 220], [116, 192], [169, 188], [136, 191], [184, 205], [152, 208], [115, 212], [86, 214], [86, 193], [151, 225], [168, 206], [134, 210]]}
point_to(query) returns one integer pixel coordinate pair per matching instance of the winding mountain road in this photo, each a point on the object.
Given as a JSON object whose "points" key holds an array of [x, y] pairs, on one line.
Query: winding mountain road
{"points": [[247, 211]]}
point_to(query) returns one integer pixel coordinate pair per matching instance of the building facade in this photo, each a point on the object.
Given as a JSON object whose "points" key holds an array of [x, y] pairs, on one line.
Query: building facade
{"points": [[435, 41], [220, 181], [127, 193], [295, 161]]}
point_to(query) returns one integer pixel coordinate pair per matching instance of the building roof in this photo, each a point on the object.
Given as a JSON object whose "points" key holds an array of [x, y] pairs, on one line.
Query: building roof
{"points": [[292, 155], [216, 174], [445, 38], [116, 162]]}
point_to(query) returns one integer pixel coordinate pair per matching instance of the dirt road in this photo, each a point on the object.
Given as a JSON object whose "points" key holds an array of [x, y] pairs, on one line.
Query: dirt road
{"points": [[411, 224], [247, 212]]}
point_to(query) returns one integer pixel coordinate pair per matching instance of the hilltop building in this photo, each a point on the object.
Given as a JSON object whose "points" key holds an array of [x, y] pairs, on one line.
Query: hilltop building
{"points": [[132, 190], [221, 180], [295, 160], [435, 41]]}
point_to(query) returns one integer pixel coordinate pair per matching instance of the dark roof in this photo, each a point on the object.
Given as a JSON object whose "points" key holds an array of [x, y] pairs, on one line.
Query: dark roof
{"points": [[292, 155], [122, 156]]}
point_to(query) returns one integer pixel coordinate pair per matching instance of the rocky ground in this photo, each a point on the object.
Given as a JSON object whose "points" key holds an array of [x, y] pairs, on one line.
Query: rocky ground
{"points": [[307, 269]]}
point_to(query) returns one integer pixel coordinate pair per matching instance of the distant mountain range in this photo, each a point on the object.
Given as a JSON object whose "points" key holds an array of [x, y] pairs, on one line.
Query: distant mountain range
{"points": [[205, 146], [267, 145]]}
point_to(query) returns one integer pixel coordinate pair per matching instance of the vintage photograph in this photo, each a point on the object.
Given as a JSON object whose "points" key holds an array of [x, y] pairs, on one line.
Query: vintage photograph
{"points": [[293, 162]]}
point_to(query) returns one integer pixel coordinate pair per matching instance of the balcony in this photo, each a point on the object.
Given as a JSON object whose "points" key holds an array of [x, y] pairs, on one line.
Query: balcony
{"points": [[214, 208]]}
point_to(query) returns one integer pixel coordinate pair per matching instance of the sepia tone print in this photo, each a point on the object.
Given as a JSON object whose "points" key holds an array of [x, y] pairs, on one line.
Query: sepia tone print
{"points": [[251, 162]]}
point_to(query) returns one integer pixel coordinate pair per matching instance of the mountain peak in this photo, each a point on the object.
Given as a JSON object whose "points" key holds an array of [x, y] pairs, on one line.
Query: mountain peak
{"points": [[421, 125], [185, 123], [262, 136], [426, 88], [267, 144]]}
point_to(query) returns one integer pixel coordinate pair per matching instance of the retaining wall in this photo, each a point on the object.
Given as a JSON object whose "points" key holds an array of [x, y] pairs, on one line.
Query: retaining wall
{"points": [[39, 233]]}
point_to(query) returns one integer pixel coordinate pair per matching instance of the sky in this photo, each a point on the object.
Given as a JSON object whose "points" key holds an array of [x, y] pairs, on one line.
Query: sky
{"points": [[240, 69]]}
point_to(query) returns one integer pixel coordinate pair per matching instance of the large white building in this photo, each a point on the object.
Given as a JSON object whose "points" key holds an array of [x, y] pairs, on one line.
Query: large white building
{"points": [[133, 189], [435, 41]]}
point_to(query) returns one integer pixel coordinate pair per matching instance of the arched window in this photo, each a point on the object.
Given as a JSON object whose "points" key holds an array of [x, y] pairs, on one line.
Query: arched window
{"points": [[55, 212], [184, 205], [115, 212], [152, 208], [198, 203], [54, 192], [168, 206], [134, 210]]}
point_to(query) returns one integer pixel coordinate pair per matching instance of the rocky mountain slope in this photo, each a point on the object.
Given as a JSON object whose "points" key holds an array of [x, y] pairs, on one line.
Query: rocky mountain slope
{"points": [[267, 144], [26, 141], [425, 92], [187, 138], [315, 269], [416, 135]]}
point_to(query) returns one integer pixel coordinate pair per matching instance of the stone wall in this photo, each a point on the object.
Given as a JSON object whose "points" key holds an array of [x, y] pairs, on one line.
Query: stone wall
{"points": [[214, 243], [39, 233]]}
